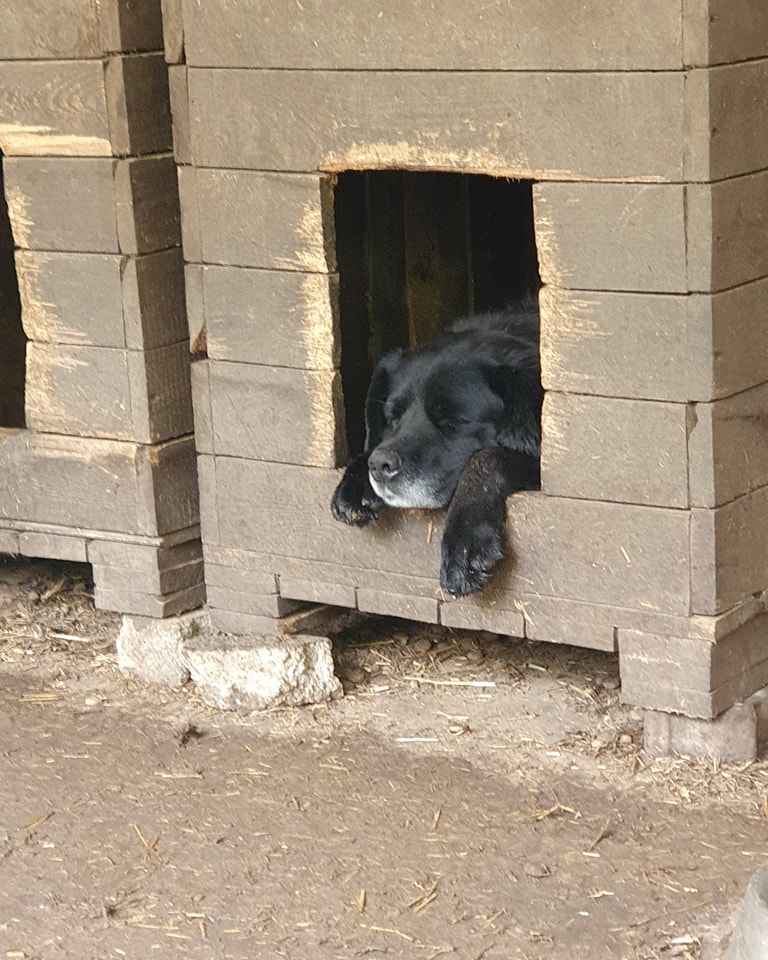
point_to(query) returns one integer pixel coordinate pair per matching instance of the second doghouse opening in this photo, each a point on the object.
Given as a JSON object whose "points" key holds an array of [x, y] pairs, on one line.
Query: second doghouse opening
{"points": [[415, 252]]}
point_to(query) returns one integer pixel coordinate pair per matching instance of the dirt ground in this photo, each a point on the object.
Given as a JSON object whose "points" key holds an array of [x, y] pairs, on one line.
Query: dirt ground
{"points": [[416, 818]]}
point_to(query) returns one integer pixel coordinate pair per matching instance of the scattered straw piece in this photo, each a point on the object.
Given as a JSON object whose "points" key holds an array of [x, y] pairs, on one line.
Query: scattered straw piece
{"points": [[361, 901], [453, 683]]}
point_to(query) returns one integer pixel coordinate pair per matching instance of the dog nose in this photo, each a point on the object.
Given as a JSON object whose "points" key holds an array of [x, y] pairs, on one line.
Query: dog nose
{"points": [[384, 464]]}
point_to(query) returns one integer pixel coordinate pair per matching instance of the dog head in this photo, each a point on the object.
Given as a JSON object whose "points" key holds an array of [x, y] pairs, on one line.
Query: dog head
{"points": [[427, 413]]}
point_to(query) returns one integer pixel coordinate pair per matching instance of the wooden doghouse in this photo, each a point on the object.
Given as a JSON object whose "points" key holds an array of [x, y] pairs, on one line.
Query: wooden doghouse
{"points": [[96, 455], [353, 174]]}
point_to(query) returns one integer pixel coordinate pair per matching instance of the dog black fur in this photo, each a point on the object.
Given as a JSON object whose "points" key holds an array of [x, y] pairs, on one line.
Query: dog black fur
{"points": [[455, 423]]}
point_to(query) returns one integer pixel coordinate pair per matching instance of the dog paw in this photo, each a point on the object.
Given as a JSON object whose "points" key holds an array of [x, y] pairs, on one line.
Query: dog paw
{"points": [[470, 554], [354, 500]]}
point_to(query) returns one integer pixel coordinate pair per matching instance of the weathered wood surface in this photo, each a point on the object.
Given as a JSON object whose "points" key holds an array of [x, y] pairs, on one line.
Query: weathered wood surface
{"points": [[294, 214], [652, 346], [403, 34], [729, 561], [73, 29], [724, 31], [690, 676], [139, 104], [617, 554], [104, 300], [611, 236], [288, 319], [93, 205], [109, 393], [632, 451], [97, 484], [173, 30], [727, 224], [274, 413], [179, 94], [566, 126], [201, 405], [728, 447], [54, 108]]}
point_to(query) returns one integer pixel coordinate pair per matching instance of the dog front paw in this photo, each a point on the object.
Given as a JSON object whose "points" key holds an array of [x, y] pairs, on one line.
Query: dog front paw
{"points": [[471, 551], [354, 500]]}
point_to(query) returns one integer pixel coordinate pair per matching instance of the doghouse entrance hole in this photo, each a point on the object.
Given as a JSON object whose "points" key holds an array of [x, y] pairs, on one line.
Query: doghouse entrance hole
{"points": [[13, 342], [415, 252]]}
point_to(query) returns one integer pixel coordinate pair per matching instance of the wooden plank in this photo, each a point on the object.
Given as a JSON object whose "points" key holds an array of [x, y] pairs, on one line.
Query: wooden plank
{"points": [[273, 413], [131, 25], [104, 300], [625, 126], [74, 298], [724, 31], [395, 605], [611, 236], [733, 107], [364, 35], [161, 393], [78, 391], [147, 204], [471, 614], [53, 109], [651, 346], [283, 318], [632, 451], [436, 253], [727, 225], [312, 592], [615, 554], [167, 477], [645, 346], [154, 306], [76, 29], [62, 204], [139, 104], [201, 405], [69, 481], [110, 393], [179, 94], [728, 555], [727, 448], [294, 213], [173, 31], [53, 546], [690, 676], [191, 238]]}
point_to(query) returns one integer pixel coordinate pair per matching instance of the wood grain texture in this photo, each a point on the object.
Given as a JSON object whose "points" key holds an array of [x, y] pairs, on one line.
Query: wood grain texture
{"points": [[364, 35], [611, 236], [563, 126], [294, 214], [279, 317], [631, 451], [274, 413], [97, 484], [630, 556], [54, 109]]}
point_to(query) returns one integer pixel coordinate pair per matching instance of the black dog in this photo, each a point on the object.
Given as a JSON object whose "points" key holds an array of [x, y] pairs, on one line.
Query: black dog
{"points": [[456, 422]]}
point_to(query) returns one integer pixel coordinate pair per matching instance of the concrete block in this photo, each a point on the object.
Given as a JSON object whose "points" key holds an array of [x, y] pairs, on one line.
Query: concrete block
{"points": [[751, 932], [263, 673], [731, 737], [153, 650]]}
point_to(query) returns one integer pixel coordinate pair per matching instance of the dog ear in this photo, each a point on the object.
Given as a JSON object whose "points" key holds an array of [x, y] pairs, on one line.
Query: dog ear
{"points": [[378, 391]]}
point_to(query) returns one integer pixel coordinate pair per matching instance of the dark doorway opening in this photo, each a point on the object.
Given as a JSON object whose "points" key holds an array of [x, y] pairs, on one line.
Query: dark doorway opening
{"points": [[13, 342], [417, 251]]}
